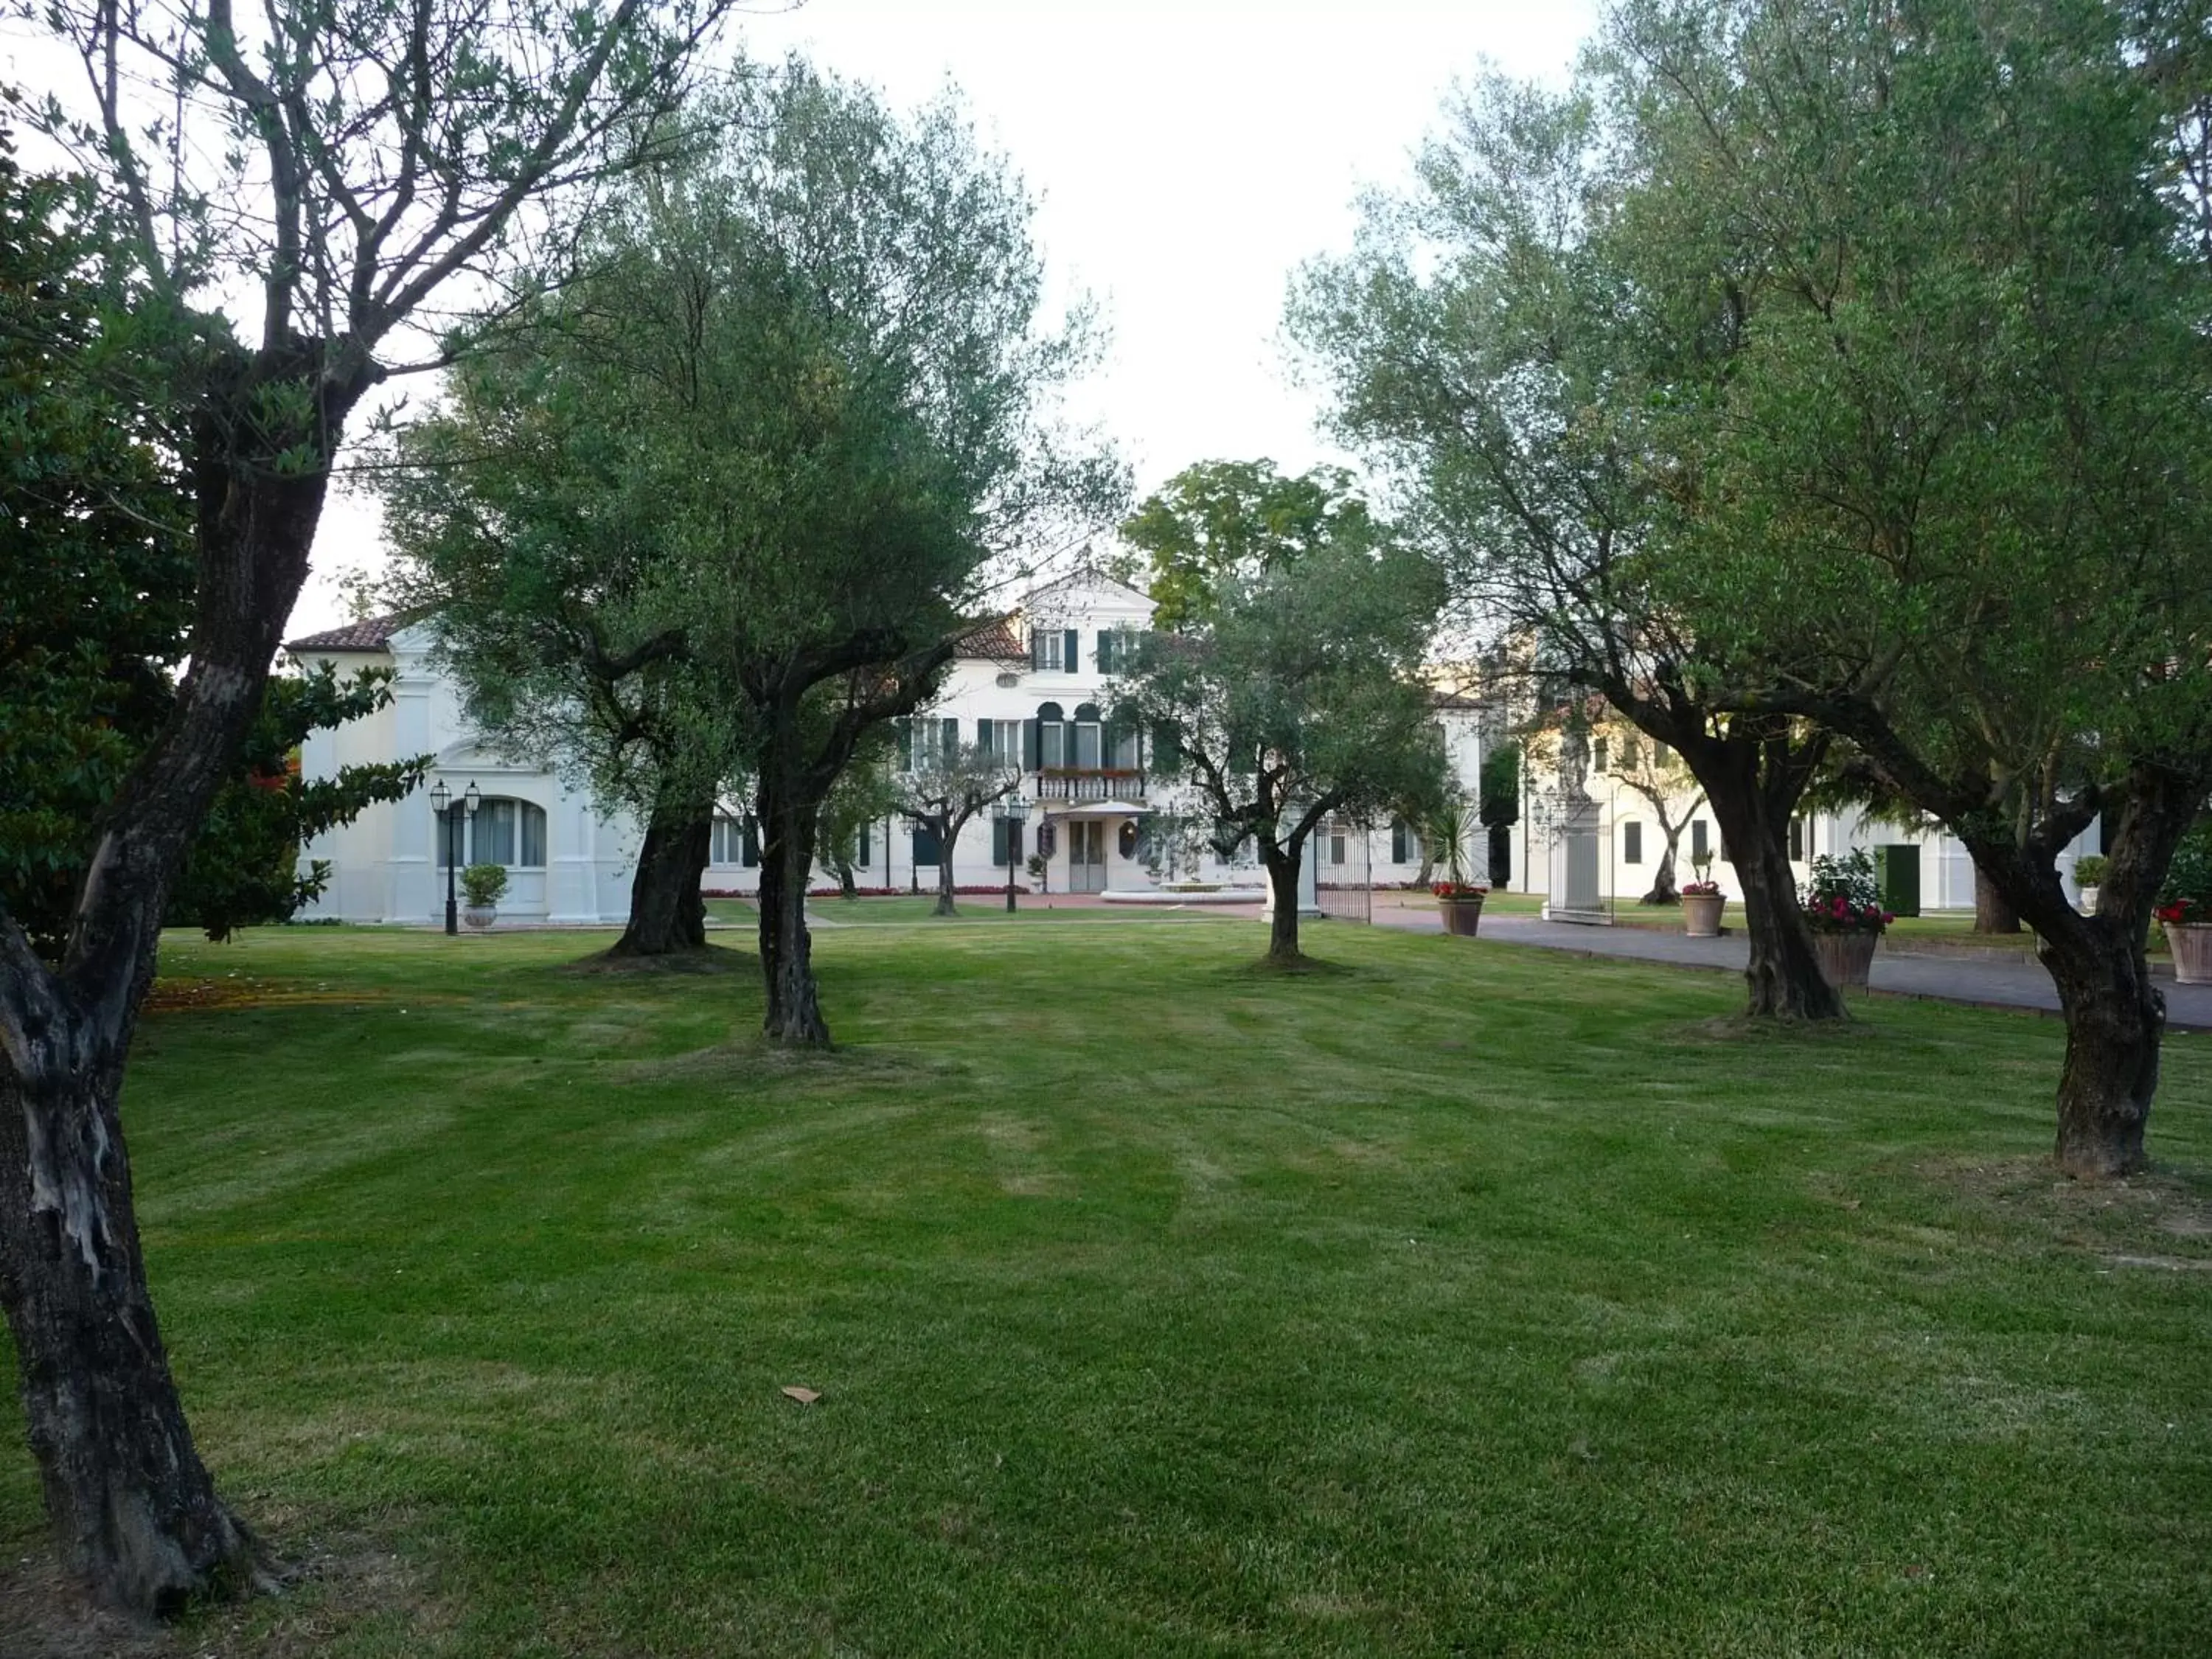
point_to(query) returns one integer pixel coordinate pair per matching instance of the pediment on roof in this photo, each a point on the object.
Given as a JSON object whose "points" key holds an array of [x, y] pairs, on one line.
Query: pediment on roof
{"points": [[1086, 594]]}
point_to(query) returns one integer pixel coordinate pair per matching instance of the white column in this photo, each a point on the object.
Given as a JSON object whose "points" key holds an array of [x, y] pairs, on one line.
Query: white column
{"points": [[410, 872]]}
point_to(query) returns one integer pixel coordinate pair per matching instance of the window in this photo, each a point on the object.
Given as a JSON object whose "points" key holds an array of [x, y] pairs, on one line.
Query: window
{"points": [[1117, 649], [1336, 843], [1632, 753], [1661, 755], [1053, 649], [1087, 725], [1597, 755], [1701, 845], [508, 832], [1405, 845], [1005, 842], [1000, 740], [724, 849], [1797, 841], [1052, 733], [737, 841], [1631, 842]]}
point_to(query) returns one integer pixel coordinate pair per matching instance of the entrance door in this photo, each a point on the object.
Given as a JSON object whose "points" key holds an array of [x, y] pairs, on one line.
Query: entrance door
{"points": [[1086, 855]]}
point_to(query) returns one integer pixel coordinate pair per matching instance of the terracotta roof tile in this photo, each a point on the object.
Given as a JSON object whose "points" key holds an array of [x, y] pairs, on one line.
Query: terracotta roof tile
{"points": [[995, 642], [369, 634]]}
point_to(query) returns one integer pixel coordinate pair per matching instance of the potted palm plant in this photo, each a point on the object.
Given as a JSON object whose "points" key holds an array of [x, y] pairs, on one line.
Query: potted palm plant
{"points": [[482, 885], [1702, 899], [2089, 876], [1459, 900], [2185, 907], [1843, 907]]}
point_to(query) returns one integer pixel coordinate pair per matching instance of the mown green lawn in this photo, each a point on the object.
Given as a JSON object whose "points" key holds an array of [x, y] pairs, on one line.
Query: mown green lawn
{"points": [[1463, 1300]]}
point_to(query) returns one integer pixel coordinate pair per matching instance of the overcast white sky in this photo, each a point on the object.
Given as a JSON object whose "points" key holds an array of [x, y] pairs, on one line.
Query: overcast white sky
{"points": [[1187, 156]]}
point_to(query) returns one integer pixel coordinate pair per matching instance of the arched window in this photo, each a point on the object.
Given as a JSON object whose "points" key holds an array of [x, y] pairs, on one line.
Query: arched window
{"points": [[1052, 735], [1087, 753], [502, 831]]}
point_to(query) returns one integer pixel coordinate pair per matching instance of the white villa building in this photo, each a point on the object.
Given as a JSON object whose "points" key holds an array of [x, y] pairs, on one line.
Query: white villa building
{"points": [[1032, 688], [1596, 848]]}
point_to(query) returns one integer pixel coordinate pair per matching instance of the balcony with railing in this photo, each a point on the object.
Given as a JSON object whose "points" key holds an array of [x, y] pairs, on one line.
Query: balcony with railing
{"points": [[1077, 784]]}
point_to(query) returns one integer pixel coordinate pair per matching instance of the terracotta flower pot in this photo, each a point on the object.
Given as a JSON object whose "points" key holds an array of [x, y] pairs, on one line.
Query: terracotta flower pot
{"points": [[1845, 957], [2191, 945], [1701, 913], [1461, 912]]}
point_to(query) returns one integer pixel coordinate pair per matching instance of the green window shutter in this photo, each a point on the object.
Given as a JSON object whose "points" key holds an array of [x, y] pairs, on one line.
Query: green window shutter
{"points": [[998, 840], [862, 860], [1036, 648], [952, 740], [983, 736], [1108, 662], [1029, 745], [1398, 840], [906, 746], [752, 852], [1069, 659]]}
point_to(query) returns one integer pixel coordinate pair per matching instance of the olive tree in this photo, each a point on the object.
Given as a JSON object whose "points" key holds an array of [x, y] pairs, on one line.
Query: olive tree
{"points": [[1953, 494], [1299, 693], [1492, 347], [341, 164]]}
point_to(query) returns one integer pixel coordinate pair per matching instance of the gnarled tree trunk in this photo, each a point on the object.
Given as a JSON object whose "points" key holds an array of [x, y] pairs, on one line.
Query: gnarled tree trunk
{"points": [[666, 914], [1663, 888], [1283, 866], [1993, 912], [946, 892], [2115, 1020], [2115, 1011], [794, 1004], [1753, 797], [133, 1508]]}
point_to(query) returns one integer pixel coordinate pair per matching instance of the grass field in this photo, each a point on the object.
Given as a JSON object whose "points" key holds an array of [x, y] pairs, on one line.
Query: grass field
{"points": [[1457, 1300]]}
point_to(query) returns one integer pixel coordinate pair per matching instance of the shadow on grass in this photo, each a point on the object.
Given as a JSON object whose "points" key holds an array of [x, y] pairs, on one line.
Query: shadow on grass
{"points": [[1297, 967], [1750, 1030], [704, 959], [754, 1060]]}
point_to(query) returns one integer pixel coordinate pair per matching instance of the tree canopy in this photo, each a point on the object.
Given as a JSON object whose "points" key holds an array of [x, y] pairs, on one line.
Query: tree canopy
{"points": [[1298, 692]]}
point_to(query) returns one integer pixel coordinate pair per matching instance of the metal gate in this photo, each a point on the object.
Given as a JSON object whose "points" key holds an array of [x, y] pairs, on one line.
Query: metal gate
{"points": [[1343, 871]]}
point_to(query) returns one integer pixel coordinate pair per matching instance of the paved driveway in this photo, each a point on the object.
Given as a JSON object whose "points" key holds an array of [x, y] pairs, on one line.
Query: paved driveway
{"points": [[1952, 979]]}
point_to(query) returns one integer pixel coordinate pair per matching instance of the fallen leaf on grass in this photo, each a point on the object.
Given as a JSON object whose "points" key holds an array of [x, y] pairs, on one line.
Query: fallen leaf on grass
{"points": [[803, 1397]]}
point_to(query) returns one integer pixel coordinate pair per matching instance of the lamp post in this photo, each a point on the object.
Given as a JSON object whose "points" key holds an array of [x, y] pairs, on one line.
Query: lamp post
{"points": [[1016, 811], [441, 801]]}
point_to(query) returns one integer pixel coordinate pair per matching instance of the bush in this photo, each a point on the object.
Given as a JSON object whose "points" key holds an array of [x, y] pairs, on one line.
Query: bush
{"points": [[2089, 870], [2187, 894], [484, 884]]}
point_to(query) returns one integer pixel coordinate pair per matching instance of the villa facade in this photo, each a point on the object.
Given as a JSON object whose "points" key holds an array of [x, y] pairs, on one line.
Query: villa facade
{"points": [[1034, 688], [1590, 834]]}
